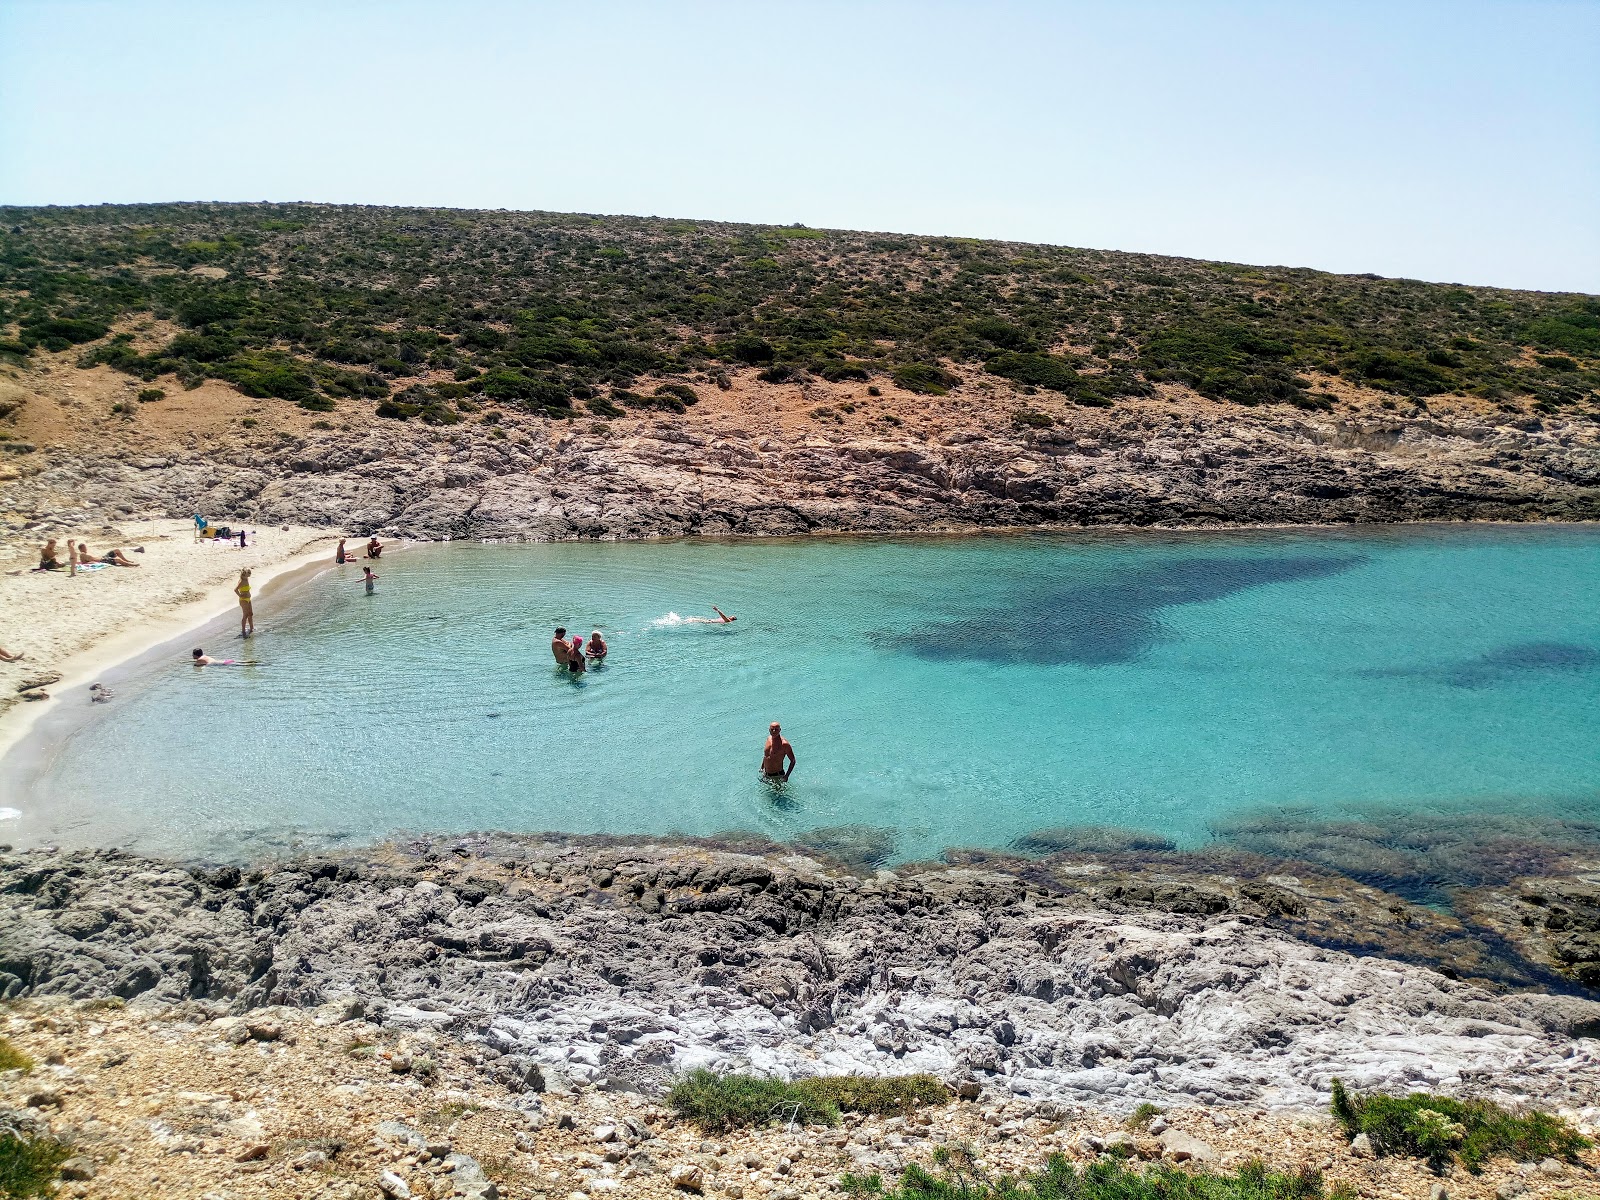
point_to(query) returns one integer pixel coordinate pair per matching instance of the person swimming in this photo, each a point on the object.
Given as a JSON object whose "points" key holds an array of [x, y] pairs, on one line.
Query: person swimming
{"points": [[202, 659], [721, 618], [597, 648]]}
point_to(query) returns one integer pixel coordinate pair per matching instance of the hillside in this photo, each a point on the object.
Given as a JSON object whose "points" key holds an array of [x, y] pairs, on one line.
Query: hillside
{"points": [[677, 376]]}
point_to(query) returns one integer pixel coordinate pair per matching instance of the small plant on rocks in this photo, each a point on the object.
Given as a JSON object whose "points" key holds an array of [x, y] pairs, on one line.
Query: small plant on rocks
{"points": [[1141, 1117], [958, 1178], [718, 1103], [29, 1166], [1443, 1130], [12, 1059]]}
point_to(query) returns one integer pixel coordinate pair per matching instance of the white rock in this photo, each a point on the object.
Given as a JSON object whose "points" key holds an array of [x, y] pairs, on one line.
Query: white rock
{"points": [[392, 1186]]}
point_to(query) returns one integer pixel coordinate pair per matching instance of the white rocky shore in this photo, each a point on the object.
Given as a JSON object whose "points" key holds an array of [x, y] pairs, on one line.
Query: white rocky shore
{"points": [[571, 965]]}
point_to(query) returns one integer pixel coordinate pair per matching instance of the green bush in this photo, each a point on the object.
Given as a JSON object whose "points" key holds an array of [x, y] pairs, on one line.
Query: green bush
{"points": [[957, 1178], [1442, 1130], [924, 378], [61, 333], [601, 407], [750, 349], [1039, 370], [151, 395], [12, 1059], [29, 1167], [722, 1102], [1028, 418], [682, 391]]}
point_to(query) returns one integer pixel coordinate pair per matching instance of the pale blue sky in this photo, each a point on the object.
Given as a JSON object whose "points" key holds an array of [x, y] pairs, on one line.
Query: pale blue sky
{"points": [[1453, 141]]}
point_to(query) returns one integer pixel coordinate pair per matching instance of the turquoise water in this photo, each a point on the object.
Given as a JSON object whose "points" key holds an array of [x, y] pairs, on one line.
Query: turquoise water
{"points": [[957, 691]]}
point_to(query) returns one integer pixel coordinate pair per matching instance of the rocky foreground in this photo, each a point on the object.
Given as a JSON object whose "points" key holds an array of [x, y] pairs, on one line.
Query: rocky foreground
{"points": [[190, 1102], [571, 964], [736, 472]]}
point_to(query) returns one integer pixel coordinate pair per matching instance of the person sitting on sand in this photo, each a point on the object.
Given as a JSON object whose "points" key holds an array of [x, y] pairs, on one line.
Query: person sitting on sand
{"points": [[47, 557], [374, 549], [112, 558], [777, 756], [721, 618], [575, 661], [7, 656], [558, 646], [596, 649], [368, 578], [247, 611], [341, 555]]}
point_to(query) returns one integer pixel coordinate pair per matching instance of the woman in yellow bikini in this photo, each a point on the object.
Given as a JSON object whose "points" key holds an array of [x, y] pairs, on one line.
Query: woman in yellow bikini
{"points": [[247, 615]]}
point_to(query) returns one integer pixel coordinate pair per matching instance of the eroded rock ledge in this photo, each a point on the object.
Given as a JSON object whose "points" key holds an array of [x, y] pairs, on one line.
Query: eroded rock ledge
{"points": [[1136, 465], [618, 965]]}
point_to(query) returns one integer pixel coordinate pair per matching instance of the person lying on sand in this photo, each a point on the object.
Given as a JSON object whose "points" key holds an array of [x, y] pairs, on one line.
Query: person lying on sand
{"points": [[597, 648], [558, 646], [575, 662], [721, 618], [115, 558]]}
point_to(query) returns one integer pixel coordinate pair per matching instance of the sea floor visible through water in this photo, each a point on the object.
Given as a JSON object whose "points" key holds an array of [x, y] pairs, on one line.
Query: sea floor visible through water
{"points": [[940, 692]]}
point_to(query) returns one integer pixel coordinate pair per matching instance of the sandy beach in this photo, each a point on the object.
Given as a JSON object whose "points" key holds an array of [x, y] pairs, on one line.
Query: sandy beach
{"points": [[77, 626]]}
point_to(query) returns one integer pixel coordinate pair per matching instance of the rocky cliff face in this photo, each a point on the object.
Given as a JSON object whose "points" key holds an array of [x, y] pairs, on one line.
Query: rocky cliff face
{"points": [[1136, 465], [619, 965]]}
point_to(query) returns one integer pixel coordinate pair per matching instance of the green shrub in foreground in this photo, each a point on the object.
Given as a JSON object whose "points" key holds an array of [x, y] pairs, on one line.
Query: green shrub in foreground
{"points": [[1440, 1129], [28, 1168], [1105, 1179], [721, 1102], [12, 1059]]}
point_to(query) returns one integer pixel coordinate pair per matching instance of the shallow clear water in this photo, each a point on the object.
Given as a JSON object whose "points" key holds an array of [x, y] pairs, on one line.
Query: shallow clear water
{"points": [[961, 691]]}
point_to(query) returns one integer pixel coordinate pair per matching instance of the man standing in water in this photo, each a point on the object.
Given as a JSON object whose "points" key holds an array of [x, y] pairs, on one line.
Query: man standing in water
{"points": [[559, 647], [777, 757]]}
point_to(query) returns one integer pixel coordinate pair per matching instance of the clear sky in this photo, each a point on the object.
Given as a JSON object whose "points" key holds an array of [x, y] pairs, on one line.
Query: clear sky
{"points": [[1455, 141]]}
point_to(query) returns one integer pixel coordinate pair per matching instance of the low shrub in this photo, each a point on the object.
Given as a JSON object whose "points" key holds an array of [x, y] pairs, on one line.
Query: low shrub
{"points": [[1143, 1115], [780, 373], [601, 407], [924, 379], [1442, 1130], [1033, 420], [721, 1102], [835, 371], [29, 1166], [151, 395], [958, 1178], [1040, 370], [682, 391], [12, 1059]]}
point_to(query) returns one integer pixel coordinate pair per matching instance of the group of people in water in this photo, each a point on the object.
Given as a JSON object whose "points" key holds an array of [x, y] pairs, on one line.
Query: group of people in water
{"points": [[77, 555]]}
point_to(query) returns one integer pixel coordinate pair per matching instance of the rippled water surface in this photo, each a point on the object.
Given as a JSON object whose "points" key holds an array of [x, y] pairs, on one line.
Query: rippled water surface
{"points": [[958, 691]]}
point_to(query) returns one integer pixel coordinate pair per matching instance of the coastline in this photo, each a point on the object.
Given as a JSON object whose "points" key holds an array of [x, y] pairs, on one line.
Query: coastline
{"points": [[118, 641]]}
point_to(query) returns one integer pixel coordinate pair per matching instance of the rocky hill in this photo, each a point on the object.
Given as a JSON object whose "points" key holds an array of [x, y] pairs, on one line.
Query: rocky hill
{"points": [[462, 373]]}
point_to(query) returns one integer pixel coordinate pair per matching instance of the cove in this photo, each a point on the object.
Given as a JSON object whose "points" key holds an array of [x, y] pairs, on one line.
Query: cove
{"points": [[940, 691]]}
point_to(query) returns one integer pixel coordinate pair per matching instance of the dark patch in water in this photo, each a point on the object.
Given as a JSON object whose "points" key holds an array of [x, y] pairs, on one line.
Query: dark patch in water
{"points": [[1093, 839], [853, 845], [1502, 665], [1418, 855], [1109, 621]]}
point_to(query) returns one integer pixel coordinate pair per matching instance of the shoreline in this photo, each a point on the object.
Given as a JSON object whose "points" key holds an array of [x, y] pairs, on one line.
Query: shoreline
{"points": [[112, 648]]}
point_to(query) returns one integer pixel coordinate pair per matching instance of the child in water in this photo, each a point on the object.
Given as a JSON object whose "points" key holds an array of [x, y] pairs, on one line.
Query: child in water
{"points": [[369, 579]]}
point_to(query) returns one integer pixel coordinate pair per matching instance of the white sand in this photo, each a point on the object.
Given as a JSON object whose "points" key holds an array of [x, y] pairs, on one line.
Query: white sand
{"points": [[79, 626]]}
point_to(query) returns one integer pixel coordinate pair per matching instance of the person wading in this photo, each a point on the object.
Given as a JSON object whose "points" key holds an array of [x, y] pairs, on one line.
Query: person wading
{"points": [[777, 757]]}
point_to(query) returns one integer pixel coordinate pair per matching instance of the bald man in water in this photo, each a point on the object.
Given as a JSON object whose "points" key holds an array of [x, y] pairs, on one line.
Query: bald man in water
{"points": [[777, 757]]}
